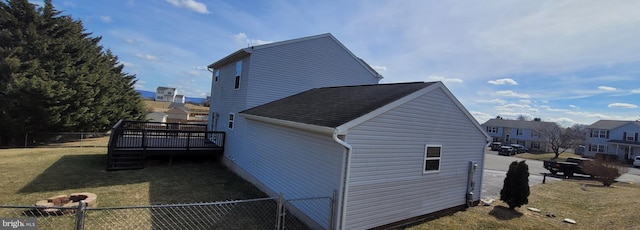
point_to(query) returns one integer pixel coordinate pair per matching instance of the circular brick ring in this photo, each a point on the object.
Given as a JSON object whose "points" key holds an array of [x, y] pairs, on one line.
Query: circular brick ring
{"points": [[52, 205]]}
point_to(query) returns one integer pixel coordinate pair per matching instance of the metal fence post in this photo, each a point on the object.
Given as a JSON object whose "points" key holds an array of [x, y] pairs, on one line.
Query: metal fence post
{"points": [[80, 215], [280, 210], [332, 208]]}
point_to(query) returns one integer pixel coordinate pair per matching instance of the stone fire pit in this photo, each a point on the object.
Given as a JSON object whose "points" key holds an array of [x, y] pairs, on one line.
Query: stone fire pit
{"points": [[51, 206]]}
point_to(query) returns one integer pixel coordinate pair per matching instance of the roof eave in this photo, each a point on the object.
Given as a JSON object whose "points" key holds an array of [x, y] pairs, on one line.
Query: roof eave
{"points": [[291, 124], [229, 58]]}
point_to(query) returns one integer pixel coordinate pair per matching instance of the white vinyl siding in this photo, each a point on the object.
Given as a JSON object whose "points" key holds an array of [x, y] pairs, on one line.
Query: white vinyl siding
{"points": [[387, 183], [296, 163], [281, 71]]}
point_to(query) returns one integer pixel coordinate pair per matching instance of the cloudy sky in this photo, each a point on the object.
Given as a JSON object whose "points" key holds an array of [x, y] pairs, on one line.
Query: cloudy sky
{"points": [[564, 61]]}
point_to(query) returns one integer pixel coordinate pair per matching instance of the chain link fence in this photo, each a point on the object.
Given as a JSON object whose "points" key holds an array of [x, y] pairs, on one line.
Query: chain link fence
{"points": [[262, 213], [60, 139]]}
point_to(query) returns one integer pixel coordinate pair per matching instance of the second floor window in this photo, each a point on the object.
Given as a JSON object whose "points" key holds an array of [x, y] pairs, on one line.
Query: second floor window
{"points": [[216, 75], [238, 74], [519, 132], [231, 118], [599, 133], [492, 129]]}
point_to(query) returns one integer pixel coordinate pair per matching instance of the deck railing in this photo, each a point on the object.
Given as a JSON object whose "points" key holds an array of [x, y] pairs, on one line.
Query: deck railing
{"points": [[157, 135]]}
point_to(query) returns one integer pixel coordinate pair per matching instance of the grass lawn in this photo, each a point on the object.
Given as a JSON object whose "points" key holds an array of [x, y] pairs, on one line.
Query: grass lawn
{"points": [[597, 207], [545, 156], [33, 174]]}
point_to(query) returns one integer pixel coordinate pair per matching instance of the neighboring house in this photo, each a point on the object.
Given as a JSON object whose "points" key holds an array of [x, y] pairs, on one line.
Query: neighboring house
{"points": [[177, 113], [306, 118], [179, 99], [517, 132], [166, 94], [157, 117], [611, 137]]}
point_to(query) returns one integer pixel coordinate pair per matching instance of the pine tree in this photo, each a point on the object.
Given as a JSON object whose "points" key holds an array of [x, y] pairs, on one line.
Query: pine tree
{"points": [[515, 191], [55, 77]]}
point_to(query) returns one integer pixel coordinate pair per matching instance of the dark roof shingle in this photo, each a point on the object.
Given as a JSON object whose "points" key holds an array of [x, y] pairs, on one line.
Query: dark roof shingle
{"points": [[334, 106]]}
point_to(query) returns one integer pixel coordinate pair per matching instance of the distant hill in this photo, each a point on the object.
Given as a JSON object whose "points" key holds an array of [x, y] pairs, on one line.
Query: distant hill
{"points": [[152, 95]]}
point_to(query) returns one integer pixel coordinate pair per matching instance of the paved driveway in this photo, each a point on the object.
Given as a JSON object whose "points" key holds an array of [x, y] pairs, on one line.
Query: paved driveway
{"points": [[496, 167]]}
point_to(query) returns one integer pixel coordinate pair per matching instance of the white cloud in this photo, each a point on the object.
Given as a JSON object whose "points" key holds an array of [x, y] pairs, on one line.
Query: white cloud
{"points": [[481, 117], [493, 101], [588, 114], [509, 93], [548, 108], [607, 88], [622, 105], [635, 91], [106, 19], [147, 57], [128, 64], [573, 106], [503, 81], [525, 101], [444, 79], [242, 38], [201, 68], [191, 5], [379, 68]]}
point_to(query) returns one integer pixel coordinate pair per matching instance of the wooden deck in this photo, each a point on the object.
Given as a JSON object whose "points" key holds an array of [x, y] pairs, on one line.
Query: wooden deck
{"points": [[131, 142]]}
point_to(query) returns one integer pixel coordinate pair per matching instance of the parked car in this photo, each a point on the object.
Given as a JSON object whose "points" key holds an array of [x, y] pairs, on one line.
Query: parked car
{"points": [[636, 162], [568, 168], [495, 146], [519, 148], [507, 150]]}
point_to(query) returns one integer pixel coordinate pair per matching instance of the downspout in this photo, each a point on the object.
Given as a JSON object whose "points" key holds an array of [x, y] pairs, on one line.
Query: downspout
{"points": [[345, 179]]}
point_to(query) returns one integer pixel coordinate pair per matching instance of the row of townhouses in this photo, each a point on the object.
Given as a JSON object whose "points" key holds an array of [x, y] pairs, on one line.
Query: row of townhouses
{"points": [[611, 138]]}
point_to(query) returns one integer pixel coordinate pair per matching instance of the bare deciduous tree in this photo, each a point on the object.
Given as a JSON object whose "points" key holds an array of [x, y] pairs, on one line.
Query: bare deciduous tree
{"points": [[559, 139]]}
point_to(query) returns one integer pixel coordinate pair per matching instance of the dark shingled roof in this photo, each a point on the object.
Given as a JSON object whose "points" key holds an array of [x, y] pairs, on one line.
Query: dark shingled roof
{"points": [[334, 106]]}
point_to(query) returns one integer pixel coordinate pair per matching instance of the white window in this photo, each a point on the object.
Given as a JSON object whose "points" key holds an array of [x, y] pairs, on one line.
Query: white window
{"points": [[599, 133], [432, 155], [238, 73], [596, 148], [631, 137], [216, 75], [231, 118], [492, 129], [519, 132]]}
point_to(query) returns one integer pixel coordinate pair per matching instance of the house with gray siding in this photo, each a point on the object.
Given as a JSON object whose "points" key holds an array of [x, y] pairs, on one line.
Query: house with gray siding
{"points": [[307, 118], [613, 137], [517, 132]]}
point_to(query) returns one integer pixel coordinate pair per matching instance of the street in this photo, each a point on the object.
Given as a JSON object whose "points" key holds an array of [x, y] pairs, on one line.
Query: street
{"points": [[496, 167]]}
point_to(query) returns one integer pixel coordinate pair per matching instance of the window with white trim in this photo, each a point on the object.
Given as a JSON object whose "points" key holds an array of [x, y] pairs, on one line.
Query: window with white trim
{"points": [[231, 118], [216, 75], [492, 129], [599, 133], [519, 132], [596, 148], [631, 137], [238, 73], [432, 154]]}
